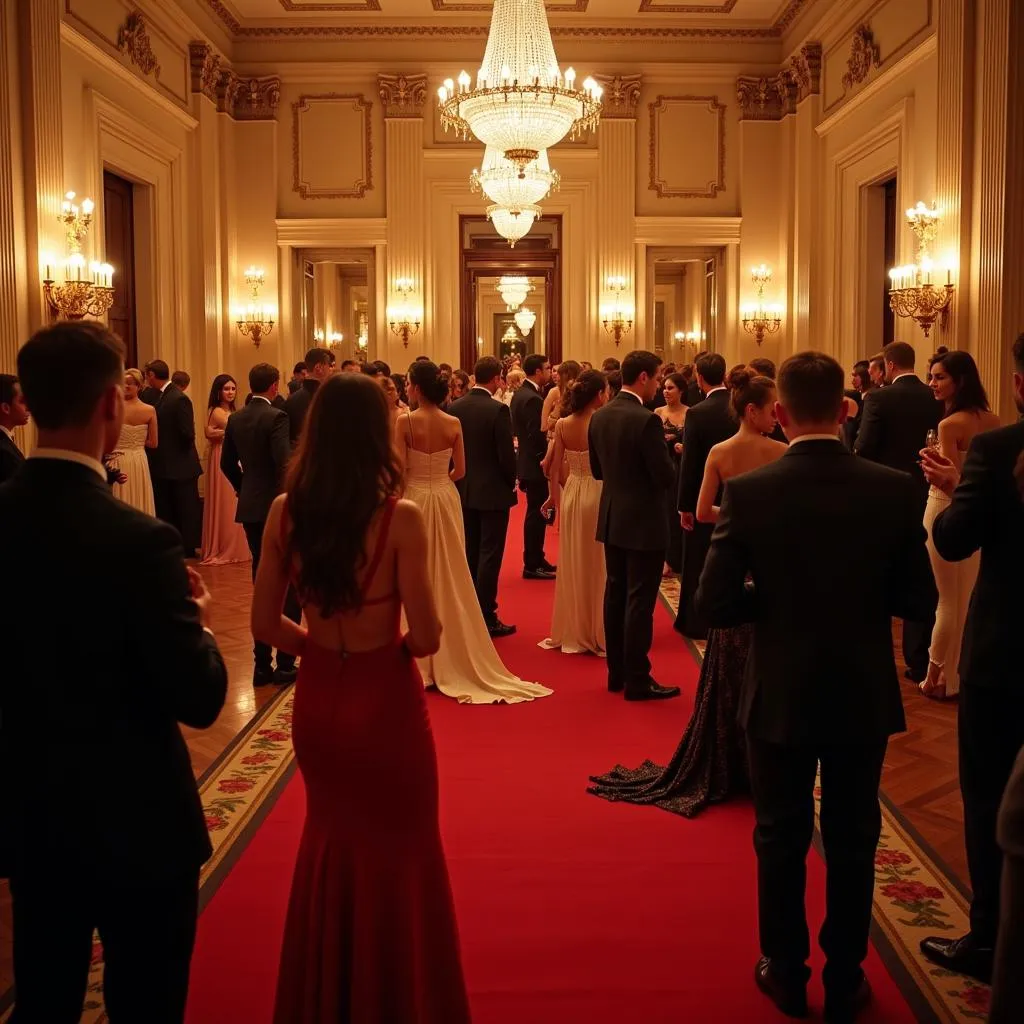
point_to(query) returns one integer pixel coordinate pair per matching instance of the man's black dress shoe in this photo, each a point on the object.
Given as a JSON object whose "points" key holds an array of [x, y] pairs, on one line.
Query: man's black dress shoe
{"points": [[652, 691], [616, 686], [548, 567], [848, 1009], [285, 676], [790, 999], [537, 574], [964, 955], [262, 676], [498, 629]]}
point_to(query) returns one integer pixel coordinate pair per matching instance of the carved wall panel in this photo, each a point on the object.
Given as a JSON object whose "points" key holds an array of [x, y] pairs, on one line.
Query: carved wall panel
{"points": [[687, 147], [332, 148]]}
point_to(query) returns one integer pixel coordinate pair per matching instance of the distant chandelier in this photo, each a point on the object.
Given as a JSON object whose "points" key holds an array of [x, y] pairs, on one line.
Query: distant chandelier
{"points": [[510, 338], [912, 293], [504, 186], [82, 292], [759, 319], [256, 321], [512, 222], [514, 290], [525, 319], [522, 104]]}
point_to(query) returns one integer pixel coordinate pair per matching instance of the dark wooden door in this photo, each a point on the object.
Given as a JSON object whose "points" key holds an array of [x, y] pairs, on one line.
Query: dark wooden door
{"points": [[119, 226]]}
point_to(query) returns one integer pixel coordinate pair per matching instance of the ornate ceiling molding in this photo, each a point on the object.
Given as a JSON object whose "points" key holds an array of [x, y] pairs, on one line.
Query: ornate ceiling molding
{"points": [[255, 99], [243, 99], [453, 6], [402, 95], [205, 64], [621, 95], [762, 99], [133, 42], [316, 8], [653, 7], [806, 69], [864, 57]]}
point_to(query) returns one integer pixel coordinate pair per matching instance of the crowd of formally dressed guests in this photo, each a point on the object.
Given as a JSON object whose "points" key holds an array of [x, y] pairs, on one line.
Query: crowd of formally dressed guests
{"points": [[741, 481]]}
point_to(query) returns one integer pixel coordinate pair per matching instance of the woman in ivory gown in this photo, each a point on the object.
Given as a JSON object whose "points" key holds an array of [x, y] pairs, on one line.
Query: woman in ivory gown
{"points": [[428, 441], [129, 458], [577, 623], [954, 380], [223, 539]]}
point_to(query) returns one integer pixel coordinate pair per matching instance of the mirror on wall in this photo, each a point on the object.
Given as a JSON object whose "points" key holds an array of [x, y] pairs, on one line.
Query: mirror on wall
{"points": [[337, 311], [682, 301]]}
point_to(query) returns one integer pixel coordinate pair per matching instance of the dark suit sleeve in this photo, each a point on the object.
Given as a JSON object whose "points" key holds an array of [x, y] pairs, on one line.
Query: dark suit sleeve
{"points": [[229, 463], [691, 471], [281, 445], [959, 530], [655, 455], [869, 435], [912, 591], [186, 674], [505, 447], [537, 442], [722, 597], [595, 460], [185, 421]]}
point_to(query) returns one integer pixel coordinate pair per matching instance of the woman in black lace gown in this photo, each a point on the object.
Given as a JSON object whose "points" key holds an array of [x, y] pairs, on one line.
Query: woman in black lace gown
{"points": [[673, 415], [709, 764]]}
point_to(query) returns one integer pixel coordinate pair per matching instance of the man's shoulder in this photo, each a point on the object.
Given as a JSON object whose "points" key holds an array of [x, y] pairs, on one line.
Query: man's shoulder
{"points": [[999, 443]]}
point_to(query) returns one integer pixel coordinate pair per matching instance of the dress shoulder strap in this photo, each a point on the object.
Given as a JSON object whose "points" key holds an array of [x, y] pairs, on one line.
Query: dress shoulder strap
{"points": [[382, 540], [408, 427]]}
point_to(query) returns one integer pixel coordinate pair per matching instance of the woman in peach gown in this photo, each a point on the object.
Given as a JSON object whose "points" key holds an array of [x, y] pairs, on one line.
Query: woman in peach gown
{"points": [[223, 539], [138, 433]]}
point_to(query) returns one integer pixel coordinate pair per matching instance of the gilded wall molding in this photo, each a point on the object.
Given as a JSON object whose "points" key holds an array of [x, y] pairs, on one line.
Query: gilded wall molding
{"points": [[242, 99], [255, 99], [362, 5], [662, 188], [133, 42], [763, 99], [363, 184], [864, 57], [402, 95], [467, 6], [205, 64], [806, 69], [653, 7], [621, 95]]}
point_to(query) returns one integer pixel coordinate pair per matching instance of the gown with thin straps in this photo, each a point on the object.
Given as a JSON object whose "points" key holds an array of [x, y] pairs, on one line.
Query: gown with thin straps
{"points": [[466, 666], [370, 935]]}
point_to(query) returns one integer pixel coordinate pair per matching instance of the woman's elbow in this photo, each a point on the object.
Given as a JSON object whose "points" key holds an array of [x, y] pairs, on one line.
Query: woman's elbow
{"points": [[705, 515]]}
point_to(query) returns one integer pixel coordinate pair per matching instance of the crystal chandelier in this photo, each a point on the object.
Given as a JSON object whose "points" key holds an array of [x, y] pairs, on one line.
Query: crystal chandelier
{"points": [[525, 319], [522, 104], [912, 292], [512, 223], [514, 289], [505, 186], [82, 293]]}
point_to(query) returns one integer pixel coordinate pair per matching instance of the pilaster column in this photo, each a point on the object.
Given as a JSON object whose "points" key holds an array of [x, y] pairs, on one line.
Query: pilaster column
{"points": [[403, 97], [954, 154], [617, 203], [998, 251]]}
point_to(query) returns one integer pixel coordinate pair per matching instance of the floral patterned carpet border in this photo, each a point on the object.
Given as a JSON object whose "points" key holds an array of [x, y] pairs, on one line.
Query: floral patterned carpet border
{"points": [[237, 791], [914, 897]]}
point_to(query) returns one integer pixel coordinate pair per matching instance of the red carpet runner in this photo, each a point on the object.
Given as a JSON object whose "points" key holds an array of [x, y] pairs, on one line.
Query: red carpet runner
{"points": [[571, 910]]}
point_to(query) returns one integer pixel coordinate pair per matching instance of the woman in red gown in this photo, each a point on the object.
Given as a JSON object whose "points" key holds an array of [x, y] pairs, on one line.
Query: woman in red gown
{"points": [[370, 936]]}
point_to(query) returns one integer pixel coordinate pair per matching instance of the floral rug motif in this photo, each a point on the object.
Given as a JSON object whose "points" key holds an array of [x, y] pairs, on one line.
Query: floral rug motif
{"points": [[914, 897]]}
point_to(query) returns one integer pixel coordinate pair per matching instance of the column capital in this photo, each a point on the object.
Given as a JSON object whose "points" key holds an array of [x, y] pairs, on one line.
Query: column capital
{"points": [[621, 95], [402, 95]]}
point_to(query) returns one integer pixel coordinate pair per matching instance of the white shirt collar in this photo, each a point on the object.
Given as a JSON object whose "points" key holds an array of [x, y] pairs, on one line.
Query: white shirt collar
{"points": [[480, 387], [632, 394], [262, 398], [63, 455], [166, 385], [532, 385], [721, 387], [9, 433], [905, 373], [814, 437]]}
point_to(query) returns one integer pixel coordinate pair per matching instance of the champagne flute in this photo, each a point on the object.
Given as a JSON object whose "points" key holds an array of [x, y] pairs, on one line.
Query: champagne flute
{"points": [[931, 441]]}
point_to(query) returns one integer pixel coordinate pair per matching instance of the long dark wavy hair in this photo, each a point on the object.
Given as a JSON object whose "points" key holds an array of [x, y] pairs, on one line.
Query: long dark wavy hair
{"points": [[217, 387], [344, 470], [970, 392], [568, 373]]}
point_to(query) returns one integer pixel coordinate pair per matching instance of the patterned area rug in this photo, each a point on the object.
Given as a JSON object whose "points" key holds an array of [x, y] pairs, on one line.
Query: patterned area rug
{"points": [[915, 896]]}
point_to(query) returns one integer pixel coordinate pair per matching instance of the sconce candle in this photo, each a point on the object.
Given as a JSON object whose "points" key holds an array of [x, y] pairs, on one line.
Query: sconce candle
{"points": [[759, 319], [83, 292], [912, 292]]}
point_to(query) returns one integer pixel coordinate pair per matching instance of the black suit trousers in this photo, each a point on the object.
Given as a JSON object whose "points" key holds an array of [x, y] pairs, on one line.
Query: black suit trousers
{"points": [[262, 652], [486, 530], [991, 733], [147, 929], [630, 593], [782, 782], [696, 543], [534, 524], [177, 503]]}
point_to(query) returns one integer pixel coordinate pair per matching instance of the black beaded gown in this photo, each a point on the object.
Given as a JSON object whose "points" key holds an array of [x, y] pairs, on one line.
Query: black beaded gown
{"points": [[674, 552], [710, 763]]}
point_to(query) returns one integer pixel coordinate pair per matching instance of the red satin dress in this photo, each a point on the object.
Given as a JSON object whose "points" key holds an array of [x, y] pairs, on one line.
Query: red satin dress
{"points": [[370, 936]]}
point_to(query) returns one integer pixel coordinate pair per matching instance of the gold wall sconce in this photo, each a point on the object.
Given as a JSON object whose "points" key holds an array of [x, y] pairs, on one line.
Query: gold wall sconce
{"points": [[758, 318], [404, 318], [913, 290], [256, 321], [86, 290], [616, 318]]}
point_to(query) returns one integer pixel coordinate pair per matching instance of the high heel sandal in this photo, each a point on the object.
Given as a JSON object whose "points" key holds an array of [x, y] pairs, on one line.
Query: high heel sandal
{"points": [[936, 690]]}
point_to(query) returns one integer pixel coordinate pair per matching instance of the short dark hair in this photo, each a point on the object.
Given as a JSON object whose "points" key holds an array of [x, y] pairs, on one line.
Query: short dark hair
{"points": [[1018, 354], [711, 366], [811, 387], [383, 367], [486, 369], [64, 370], [298, 368], [611, 364], [317, 357], [262, 377], [181, 379], [159, 369], [8, 383], [615, 382], [348, 362], [637, 362], [900, 354], [533, 363], [764, 367], [370, 369]]}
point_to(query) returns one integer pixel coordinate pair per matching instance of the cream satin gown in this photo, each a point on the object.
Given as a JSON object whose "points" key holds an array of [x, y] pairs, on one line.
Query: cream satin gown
{"points": [[577, 623], [467, 666], [130, 458]]}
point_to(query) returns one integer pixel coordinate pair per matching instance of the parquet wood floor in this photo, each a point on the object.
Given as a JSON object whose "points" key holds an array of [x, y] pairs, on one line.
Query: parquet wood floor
{"points": [[920, 775]]}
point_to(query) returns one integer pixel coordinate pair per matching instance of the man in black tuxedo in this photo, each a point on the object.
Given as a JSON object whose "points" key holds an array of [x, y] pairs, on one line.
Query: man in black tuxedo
{"points": [[986, 512], [1007, 980], [488, 490], [318, 369], [254, 458], [694, 394], [526, 408], [627, 452], [298, 376], [894, 423], [102, 823], [706, 425], [174, 463], [789, 526], [13, 413]]}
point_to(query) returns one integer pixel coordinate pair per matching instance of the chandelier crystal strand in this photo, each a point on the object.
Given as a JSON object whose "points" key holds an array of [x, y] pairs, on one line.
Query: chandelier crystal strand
{"points": [[504, 185], [513, 289], [512, 223], [525, 319]]}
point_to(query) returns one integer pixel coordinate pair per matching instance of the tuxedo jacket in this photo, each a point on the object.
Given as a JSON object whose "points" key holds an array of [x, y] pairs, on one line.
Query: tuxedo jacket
{"points": [[627, 453], [490, 480], [254, 457], [11, 457], [526, 408], [706, 425], [894, 425], [175, 456], [94, 773], [297, 406], [694, 395], [987, 513], [821, 665]]}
